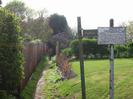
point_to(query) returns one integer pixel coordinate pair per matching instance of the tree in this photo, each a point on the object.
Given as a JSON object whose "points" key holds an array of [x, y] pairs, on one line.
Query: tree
{"points": [[0, 3], [17, 7], [38, 28], [24, 13], [32, 27], [129, 30], [58, 23], [11, 57]]}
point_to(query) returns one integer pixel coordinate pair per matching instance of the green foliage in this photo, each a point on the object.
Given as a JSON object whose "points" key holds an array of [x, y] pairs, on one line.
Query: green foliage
{"points": [[130, 49], [129, 30], [75, 48], [90, 48], [17, 7], [38, 28], [11, 57], [93, 50], [121, 51], [53, 75], [67, 52], [28, 92], [32, 28], [58, 23], [52, 78]]}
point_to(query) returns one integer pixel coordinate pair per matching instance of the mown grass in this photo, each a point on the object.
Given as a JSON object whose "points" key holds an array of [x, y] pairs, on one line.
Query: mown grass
{"points": [[97, 81], [29, 90]]}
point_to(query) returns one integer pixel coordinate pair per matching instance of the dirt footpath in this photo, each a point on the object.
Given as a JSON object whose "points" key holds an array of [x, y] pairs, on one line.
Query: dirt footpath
{"points": [[40, 84]]}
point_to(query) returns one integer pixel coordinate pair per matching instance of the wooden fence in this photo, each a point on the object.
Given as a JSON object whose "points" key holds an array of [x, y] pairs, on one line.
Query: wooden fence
{"points": [[32, 54]]}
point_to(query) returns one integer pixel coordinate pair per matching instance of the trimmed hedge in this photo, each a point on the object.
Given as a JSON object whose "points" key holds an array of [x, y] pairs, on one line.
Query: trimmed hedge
{"points": [[92, 50], [130, 49], [121, 51], [11, 57]]}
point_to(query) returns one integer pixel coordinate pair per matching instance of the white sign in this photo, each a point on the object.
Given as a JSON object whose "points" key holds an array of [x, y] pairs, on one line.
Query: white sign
{"points": [[111, 35]]}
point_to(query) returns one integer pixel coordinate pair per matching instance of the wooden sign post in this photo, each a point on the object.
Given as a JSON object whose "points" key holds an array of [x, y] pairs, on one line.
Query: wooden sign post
{"points": [[111, 65], [111, 36], [81, 58]]}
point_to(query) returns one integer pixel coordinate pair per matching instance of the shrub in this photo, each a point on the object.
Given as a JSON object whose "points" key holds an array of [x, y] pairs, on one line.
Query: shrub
{"points": [[67, 52], [11, 57]]}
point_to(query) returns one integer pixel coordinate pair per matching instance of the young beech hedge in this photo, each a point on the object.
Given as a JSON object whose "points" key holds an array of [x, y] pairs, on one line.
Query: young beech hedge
{"points": [[11, 57], [130, 49], [90, 48]]}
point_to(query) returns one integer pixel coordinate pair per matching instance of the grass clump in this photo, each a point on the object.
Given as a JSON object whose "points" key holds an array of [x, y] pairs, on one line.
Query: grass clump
{"points": [[52, 80]]}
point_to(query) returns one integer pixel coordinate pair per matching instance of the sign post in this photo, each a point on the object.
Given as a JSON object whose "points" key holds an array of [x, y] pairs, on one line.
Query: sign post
{"points": [[111, 65], [81, 58], [111, 36]]}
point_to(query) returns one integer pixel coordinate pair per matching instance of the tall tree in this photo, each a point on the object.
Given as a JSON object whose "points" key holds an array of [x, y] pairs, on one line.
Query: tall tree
{"points": [[58, 23], [32, 27], [38, 28], [129, 28], [24, 13], [19, 8]]}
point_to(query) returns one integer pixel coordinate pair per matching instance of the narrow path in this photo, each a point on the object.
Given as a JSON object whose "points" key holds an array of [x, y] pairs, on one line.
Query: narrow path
{"points": [[40, 84]]}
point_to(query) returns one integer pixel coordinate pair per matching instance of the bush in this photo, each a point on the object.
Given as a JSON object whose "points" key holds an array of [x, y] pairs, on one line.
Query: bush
{"points": [[67, 52], [11, 57]]}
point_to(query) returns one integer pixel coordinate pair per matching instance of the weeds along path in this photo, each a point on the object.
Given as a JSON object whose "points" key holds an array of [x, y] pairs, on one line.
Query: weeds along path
{"points": [[40, 84]]}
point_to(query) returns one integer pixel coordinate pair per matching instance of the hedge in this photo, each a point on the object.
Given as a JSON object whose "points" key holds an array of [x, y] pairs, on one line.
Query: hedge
{"points": [[130, 49], [11, 57], [92, 50]]}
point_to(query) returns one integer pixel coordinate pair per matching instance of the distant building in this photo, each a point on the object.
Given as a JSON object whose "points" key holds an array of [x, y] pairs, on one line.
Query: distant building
{"points": [[91, 33]]}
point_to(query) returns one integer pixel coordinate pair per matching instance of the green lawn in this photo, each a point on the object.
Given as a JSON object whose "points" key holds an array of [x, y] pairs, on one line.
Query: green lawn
{"points": [[97, 81]]}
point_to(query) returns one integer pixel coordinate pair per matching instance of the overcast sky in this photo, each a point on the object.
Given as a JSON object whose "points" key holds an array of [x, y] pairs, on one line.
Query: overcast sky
{"points": [[94, 13]]}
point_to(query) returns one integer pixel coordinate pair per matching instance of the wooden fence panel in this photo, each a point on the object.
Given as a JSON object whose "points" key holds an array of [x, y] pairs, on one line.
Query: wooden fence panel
{"points": [[32, 55]]}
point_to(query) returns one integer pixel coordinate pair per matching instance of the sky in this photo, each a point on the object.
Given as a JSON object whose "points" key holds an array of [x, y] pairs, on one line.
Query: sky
{"points": [[93, 13]]}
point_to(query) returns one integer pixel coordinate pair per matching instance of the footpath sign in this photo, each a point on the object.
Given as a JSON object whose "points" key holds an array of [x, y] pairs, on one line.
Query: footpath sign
{"points": [[111, 35]]}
